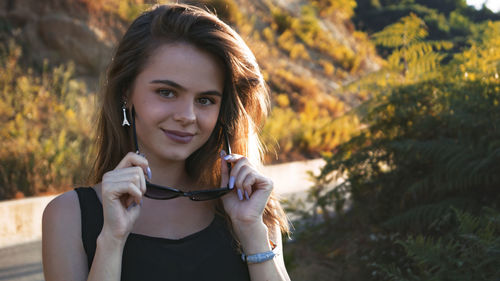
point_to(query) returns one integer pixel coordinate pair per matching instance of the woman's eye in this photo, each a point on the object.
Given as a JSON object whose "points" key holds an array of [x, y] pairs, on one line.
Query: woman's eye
{"points": [[205, 101], [165, 93]]}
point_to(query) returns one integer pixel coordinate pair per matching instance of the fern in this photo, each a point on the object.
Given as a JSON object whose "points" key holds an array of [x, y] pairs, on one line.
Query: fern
{"points": [[407, 31], [473, 253], [420, 218], [412, 56], [427, 147]]}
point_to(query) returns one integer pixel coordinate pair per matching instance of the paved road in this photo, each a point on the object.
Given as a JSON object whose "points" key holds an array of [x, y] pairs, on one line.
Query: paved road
{"points": [[22, 262]]}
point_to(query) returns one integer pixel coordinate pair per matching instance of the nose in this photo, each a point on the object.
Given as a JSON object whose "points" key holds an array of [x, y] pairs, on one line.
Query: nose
{"points": [[185, 112]]}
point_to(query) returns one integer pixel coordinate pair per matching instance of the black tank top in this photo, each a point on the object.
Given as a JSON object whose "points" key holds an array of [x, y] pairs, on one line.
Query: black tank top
{"points": [[209, 254]]}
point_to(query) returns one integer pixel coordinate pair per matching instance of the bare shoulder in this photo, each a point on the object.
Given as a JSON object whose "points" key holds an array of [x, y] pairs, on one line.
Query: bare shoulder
{"points": [[62, 247], [61, 221], [65, 208]]}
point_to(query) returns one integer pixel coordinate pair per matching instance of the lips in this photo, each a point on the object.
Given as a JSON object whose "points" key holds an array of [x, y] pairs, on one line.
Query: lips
{"points": [[179, 136]]}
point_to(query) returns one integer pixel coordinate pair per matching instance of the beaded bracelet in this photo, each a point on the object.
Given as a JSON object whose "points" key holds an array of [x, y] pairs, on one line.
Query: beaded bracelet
{"points": [[261, 257]]}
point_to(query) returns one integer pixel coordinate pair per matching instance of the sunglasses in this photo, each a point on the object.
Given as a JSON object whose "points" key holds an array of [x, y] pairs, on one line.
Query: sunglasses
{"points": [[158, 192]]}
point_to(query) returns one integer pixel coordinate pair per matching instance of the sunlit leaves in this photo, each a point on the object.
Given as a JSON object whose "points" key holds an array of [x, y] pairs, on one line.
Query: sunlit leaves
{"points": [[482, 59], [46, 128], [430, 144], [407, 31], [412, 56]]}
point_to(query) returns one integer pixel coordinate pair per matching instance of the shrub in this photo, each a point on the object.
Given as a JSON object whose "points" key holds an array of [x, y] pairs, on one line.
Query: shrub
{"points": [[470, 252], [46, 128]]}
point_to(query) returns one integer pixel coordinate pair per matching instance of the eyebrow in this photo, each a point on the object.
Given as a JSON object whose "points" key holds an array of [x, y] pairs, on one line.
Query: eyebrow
{"points": [[177, 86]]}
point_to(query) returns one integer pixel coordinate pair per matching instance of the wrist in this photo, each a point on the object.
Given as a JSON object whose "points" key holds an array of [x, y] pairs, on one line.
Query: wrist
{"points": [[260, 257], [110, 241], [254, 238]]}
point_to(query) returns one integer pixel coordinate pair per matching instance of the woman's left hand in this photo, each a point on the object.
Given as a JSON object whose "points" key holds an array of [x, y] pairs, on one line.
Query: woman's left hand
{"points": [[246, 203]]}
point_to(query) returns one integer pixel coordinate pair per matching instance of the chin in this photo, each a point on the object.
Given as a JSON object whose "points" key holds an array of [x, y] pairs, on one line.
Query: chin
{"points": [[176, 156]]}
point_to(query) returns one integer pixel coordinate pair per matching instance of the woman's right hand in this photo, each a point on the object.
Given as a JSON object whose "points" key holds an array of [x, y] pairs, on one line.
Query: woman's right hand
{"points": [[122, 190]]}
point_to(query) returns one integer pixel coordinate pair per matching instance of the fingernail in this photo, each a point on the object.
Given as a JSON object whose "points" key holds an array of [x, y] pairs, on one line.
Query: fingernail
{"points": [[223, 153], [246, 195], [231, 182], [227, 157], [131, 206], [141, 202], [148, 170], [239, 195]]}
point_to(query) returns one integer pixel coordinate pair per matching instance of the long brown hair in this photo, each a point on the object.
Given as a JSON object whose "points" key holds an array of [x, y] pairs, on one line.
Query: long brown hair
{"points": [[245, 100]]}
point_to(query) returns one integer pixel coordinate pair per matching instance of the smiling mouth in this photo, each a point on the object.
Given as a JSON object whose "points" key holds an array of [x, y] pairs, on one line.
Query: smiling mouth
{"points": [[179, 137]]}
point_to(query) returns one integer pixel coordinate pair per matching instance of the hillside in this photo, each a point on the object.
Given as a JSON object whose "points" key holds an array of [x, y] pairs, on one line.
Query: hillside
{"points": [[307, 50], [53, 52], [85, 32], [61, 31]]}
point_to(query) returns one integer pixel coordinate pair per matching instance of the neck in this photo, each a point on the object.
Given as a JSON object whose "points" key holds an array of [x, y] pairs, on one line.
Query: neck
{"points": [[169, 173]]}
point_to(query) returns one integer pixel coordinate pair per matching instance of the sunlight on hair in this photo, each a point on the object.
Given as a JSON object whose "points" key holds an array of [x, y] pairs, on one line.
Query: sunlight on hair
{"points": [[255, 148]]}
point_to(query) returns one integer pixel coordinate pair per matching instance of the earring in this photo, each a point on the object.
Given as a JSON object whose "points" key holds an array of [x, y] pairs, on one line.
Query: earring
{"points": [[125, 121]]}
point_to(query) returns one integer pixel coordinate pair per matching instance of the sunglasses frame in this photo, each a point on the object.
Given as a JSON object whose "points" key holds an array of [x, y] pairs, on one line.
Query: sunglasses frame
{"points": [[159, 192]]}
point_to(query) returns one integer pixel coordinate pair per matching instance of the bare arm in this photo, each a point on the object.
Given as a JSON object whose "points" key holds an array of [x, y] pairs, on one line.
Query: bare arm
{"points": [[62, 249], [245, 206], [64, 257], [256, 240]]}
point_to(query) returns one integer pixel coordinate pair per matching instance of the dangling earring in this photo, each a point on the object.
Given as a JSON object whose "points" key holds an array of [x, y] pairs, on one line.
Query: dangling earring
{"points": [[125, 121]]}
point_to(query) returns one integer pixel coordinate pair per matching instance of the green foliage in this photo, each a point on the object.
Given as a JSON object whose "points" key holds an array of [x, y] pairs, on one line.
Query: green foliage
{"points": [[471, 252], [282, 20], [306, 123], [295, 33], [482, 59], [46, 127], [306, 133], [127, 10], [449, 20], [407, 31], [423, 168], [412, 56], [303, 122], [227, 10], [280, 37], [343, 9], [427, 138], [427, 147], [42, 154]]}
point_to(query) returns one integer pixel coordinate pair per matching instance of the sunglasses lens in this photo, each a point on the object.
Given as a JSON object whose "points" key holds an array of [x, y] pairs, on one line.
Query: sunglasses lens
{"points": [[209, 194], [157, 192]]}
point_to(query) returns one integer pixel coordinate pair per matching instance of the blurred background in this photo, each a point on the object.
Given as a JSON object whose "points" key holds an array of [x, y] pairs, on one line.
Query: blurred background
{"points": [[397, 100]]}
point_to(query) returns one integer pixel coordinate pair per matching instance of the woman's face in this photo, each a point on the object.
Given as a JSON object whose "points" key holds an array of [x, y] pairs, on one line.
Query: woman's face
{"points": [[177, 99]]}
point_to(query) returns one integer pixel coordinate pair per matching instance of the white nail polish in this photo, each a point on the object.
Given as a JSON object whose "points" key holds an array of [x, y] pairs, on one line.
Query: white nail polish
{"points": [[131, 206], [231, 182]]}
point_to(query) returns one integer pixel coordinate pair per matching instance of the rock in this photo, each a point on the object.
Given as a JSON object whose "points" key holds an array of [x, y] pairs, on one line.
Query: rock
{"points": [[60, 31], [74, 39], [20, 16]]}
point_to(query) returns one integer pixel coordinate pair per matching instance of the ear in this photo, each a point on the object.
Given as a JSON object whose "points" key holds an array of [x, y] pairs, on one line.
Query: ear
{"points": [[124, 101], [126, 98]]}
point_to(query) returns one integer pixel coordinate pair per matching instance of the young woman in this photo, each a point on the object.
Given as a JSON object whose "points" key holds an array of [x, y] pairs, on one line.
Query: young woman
{"points": [[170, 201]]}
